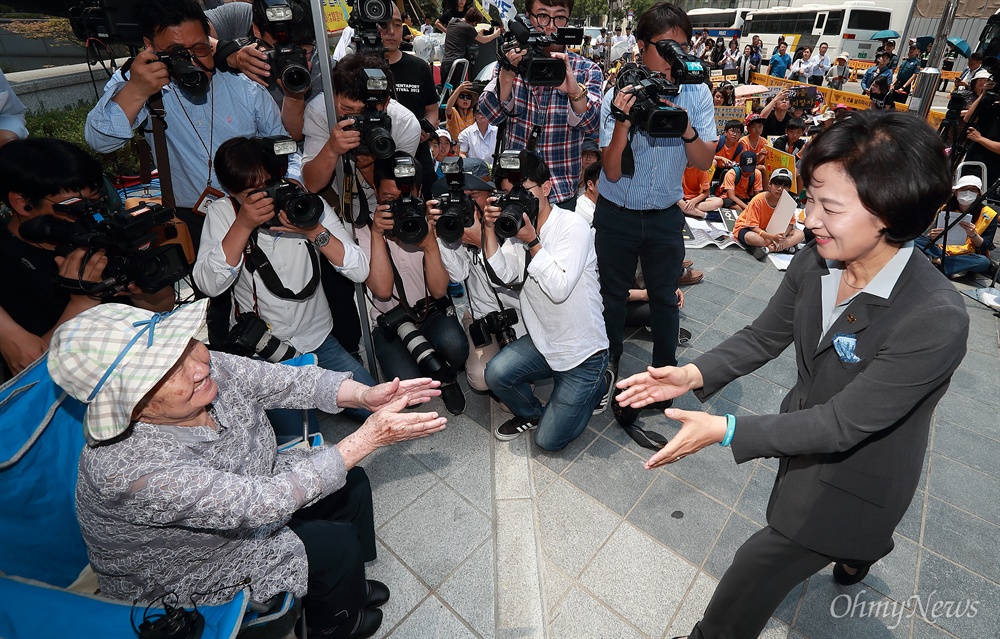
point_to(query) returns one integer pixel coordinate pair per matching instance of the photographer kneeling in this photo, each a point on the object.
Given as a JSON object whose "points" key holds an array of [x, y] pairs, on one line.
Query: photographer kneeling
{"points": [[491, 322], [417, 332], [560, 304], [53, 190], [181, 489], [264, 244]]}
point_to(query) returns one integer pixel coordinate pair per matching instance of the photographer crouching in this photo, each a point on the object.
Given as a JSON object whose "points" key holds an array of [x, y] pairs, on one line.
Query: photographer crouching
{"points": [[417, 334], [491, 322], [560, 304], [58, 259], [656, 120], [264, 246]]}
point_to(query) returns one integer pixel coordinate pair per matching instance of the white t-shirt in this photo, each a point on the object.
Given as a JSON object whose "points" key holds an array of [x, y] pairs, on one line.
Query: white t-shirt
{"points": [[465, 264], [409, 261], [305, 324], [476, 144], [561, 302]]}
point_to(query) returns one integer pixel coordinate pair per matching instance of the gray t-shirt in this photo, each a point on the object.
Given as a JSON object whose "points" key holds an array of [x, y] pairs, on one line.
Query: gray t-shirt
{"points": [[456, 40], [232, 20]]}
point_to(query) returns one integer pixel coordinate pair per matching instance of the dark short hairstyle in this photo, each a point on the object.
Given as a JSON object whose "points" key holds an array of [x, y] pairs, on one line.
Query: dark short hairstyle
{"points": [[348, 79], [885, 54], [153, 16], [37, 168], [534, 168], [529, 5], [661, 17], [474, 16], [735, 124], [796, 123], [298, 30], [822, 44], [883, 83], [977, 57], [245, 163], [592, 173], [897, 163]]}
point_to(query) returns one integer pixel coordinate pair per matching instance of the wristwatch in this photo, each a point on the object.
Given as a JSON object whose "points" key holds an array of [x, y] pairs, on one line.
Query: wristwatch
{"points": [[322, 239], [533, 243], [691, 139]]}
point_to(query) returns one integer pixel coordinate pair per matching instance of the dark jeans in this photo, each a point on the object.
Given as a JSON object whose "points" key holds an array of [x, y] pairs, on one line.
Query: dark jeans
{"points": [[765, 569], [444, 332], [972, 262], [574, 394], [338, 532], [816, 80], [655, 237]]}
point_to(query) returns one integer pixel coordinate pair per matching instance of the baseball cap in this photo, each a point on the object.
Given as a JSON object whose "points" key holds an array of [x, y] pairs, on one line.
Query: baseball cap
{"points": [[443, 133], [968, 180], [781, 173], [748, 158], [590, 145], [841, 105], [477, 175], [110, 356], [754, 117]]}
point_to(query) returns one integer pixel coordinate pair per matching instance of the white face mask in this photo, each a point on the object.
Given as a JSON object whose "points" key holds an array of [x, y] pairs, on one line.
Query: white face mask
{"points": [[965, 198]]}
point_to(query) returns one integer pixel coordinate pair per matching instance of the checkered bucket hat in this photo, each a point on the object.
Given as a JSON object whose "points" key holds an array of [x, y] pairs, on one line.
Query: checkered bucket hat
{"points": [[110, 356]]}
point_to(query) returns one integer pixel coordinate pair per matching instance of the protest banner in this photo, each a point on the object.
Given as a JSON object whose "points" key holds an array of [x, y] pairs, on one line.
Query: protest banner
{"points": [[335, 14], [725, 113], [776, 159]]}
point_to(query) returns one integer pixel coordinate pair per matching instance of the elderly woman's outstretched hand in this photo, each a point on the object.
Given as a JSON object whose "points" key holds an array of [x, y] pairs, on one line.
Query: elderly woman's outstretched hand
{"points": [[388, 425], [419, 391], [657, 385]]}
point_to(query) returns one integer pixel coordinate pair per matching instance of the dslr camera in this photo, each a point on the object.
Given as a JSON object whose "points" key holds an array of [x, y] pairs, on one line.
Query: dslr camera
{"points": [[514, 204], [184, 72], [251, 335], [457, 208], [536, 67], [409, 221], [366, 17], [302, 208], [499, 324], [398, 323], [288, 61], [127, 237], [648, 113], [375, 126]]}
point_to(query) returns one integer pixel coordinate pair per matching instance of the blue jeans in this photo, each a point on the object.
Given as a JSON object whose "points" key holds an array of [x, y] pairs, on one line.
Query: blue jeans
{"points": [[971, 262], [575, 393], [332, 356], [623, 237]]}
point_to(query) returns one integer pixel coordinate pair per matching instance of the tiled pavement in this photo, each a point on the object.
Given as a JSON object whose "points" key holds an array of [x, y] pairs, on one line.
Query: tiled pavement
{"points": [[479, 538]]}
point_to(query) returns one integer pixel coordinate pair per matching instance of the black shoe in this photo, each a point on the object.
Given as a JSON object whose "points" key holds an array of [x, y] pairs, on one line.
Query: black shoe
{"points": [[683, 336], [378, 594], [513, 427], [844, 579], [610, 377], [453, 397], [361, 625]]}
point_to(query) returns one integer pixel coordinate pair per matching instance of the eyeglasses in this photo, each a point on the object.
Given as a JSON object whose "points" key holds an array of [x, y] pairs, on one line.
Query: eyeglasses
{"points": [[543, 19], [464, 96], [200, 50]]}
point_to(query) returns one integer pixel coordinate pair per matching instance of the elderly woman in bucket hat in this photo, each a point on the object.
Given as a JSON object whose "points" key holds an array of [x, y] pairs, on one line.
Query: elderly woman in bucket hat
{"points": [[182, 491]]}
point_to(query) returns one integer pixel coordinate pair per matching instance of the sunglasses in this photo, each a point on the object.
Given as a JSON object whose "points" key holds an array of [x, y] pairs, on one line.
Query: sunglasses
{"points": [[464, 96]]}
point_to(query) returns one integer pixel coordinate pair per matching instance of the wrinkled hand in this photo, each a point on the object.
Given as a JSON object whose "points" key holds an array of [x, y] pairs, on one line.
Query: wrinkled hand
{"points": [[93, 269], [416, 391], [655, 385], [698, 430], [252, 62], [388, 425]]}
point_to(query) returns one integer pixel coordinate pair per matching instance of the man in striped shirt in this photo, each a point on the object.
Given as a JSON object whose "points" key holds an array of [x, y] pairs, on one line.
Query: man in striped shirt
{"points": [[565, 114]]}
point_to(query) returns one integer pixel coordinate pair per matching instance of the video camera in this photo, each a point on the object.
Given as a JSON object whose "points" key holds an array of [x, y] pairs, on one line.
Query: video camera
{"points": [[288, 60], [398, 323], [497, 324], [127, 237], [375, 126], [410, 222], [536, 67], [366, 17], [457, 208], [514, 204], [110, 21], [184, 72], [648, 112]]}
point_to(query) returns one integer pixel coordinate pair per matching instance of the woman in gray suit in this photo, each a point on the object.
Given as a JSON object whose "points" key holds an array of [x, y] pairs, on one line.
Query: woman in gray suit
{"points": [[878, 332]]}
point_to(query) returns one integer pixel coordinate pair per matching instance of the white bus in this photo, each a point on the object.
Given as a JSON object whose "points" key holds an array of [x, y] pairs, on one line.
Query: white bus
{"points": [[719, 22], [844, 27]]}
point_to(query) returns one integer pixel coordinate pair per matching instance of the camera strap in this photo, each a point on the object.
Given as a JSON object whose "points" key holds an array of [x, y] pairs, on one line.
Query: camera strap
{"points": [[628, 157], [256, 261], [493, 275], [398, 282]]}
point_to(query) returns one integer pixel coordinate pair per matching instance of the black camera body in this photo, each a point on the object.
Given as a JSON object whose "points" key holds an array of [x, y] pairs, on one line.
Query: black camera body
{"points": [[375, 126], [303, 209], [648, 113], [398, 323], [251, 335], [457, 208], [184, 72], [536, 67], [110, 21], [410, 222], [515, 203], [127, 237], [290, 64], [499, 324], [366, 17]]}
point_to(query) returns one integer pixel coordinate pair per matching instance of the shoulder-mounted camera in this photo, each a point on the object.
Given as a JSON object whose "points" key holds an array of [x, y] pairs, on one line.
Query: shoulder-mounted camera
{"points": [[536, 67], [648, 113]]}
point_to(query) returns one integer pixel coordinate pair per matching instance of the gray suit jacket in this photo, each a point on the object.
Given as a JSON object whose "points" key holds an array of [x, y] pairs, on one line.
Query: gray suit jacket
{"points": [[851, 438]]}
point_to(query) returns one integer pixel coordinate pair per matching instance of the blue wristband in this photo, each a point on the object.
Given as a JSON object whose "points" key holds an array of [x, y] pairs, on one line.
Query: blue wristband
{"points": [[730, 430]]}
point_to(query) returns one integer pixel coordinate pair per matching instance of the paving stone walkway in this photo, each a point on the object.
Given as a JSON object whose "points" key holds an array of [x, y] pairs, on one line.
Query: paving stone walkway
{"points": [[501, 540]]}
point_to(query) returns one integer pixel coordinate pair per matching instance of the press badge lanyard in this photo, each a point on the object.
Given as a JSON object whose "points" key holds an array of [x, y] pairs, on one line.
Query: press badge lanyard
{"points": [[211, 134]]}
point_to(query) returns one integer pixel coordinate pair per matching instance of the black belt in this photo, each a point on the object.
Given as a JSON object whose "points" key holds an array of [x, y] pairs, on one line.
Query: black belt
{"points": [[621, 209]]}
